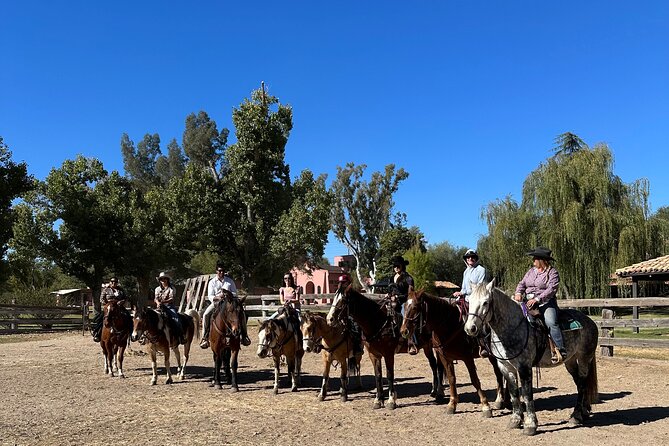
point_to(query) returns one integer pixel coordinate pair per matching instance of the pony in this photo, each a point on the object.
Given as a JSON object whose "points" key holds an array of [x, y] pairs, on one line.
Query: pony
{"points": [[150, 323], [225, 338], [518, 345], [116, 329], [382, 339], [451, 343], [334, 345], [277, 336]]}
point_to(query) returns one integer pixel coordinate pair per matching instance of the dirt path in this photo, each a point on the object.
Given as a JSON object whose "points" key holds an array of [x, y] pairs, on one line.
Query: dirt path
{"points": [[53, 391]]}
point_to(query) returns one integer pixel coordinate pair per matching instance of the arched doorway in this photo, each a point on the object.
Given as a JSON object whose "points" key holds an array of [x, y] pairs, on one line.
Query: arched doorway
{"points": [[309, 288]]}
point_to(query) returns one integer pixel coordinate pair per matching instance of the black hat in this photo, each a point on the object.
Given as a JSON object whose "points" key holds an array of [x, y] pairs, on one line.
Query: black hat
{"points": [[541, 253], [470, 253], [399, 261]]}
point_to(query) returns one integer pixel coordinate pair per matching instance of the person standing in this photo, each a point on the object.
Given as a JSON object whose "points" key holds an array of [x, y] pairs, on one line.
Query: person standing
{"points": [[540, 285], [215, 294]]}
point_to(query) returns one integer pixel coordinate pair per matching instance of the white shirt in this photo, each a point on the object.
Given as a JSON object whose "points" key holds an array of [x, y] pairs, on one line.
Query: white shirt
{"points": [[216, 287]]}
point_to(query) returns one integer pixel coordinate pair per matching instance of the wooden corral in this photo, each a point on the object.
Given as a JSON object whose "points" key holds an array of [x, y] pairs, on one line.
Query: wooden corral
{"points": [[31, 318]]}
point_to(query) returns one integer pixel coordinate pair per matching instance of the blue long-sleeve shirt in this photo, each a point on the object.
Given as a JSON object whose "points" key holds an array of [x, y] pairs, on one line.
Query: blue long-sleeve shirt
{"points": [[473, 274]]}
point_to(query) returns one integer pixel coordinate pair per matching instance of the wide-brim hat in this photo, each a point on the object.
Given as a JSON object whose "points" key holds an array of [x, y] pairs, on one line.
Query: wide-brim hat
{"points": [[470, 253], [541, 253], [399, 261], [163, 275]]}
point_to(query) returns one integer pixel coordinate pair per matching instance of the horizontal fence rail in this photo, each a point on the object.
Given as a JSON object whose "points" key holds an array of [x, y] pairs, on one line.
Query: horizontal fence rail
{"points": [[32, 318]]}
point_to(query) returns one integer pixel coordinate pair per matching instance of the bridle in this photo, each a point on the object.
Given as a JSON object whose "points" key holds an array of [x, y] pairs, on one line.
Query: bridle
{"points": [[111, 319], [228, 329], [271, 339], [420, 318]]}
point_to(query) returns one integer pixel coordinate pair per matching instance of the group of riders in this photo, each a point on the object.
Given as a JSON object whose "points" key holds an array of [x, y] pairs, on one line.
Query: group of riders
{"points": [[536, 292]]}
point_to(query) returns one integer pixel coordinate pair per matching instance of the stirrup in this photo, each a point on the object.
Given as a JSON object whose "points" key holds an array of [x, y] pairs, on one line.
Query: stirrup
{"points": [[483, 352], [246, 340], [556, 357], [204, 343], [413, 349]]}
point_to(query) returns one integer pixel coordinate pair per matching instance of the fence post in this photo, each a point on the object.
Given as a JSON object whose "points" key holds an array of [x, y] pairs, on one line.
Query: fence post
{"points": [[13, 326], [606, 332]]}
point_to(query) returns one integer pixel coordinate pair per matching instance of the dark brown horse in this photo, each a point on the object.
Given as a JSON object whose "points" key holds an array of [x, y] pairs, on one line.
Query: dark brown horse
{"points": [[381, 336], [225, 338], [116, 328], [278, 336], [150, 324], [335, 344], [451, 343]]}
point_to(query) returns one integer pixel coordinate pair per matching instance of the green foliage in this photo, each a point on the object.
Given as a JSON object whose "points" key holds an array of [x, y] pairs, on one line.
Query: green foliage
{"points": [[362, 212], [14, 182], [421, 268], [395, 241], [575, 205], [204, 144], [140, 163], [171, 166], [447, 261]]}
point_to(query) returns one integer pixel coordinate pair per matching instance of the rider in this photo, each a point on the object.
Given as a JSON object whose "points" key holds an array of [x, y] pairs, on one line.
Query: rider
{"points": [[540, 286], [474, 273], [399, 292], [289, 295], [344, 280], [164, 295], [112, 292], [214, 294]]}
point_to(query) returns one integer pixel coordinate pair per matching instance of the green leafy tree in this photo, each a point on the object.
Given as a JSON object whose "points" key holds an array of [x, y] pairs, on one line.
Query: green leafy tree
{"points": [[362, 212], [204, 144], [395, 241], [173, 165], [14, 182], [421, 268], [447, 261], [140, 163], [568, 144]]}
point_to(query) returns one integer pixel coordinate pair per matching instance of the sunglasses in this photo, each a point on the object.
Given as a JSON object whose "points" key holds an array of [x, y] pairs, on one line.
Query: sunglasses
{"points": [[220, 270], [113, 281]]}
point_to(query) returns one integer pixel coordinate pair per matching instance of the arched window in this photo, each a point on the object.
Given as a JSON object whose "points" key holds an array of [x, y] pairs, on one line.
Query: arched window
{"points": [[318, 289]]}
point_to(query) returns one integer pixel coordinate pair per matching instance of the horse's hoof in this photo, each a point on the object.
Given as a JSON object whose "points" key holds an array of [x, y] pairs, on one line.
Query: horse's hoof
{"points": [[343, 398], [218, 387], [321, 397], [169, 381], [486, 413], [153, 383], [276, 391], [121, 376], [293, 389], [392, 405], [513, 424], [377, 405], [497, 405], [234, 389], [573, 421], [530, 430], [450, 410], [211, 384]]}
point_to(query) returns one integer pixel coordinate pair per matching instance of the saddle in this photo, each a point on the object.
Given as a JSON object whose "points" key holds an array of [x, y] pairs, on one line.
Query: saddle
{"points": [[566, 322]]}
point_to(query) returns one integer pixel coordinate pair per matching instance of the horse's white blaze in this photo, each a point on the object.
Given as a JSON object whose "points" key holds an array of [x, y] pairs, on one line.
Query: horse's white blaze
{"points": [[335, 302], [409, 302], [261, 342]]}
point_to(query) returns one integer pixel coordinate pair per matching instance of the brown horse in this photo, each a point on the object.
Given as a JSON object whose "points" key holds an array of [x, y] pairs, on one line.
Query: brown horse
{"points": [[150, 323], [451, 343], [335, 344], [116, 328], [277, 336], [225, 338], [382, 339]]}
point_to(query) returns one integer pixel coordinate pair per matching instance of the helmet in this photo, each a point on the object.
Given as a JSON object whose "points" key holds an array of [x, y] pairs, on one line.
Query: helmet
{"points": [[344, 278], [470, 253]]}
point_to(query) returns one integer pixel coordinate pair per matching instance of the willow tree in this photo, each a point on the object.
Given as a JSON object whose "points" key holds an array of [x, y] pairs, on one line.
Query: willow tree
{"points": [[574, 204]]}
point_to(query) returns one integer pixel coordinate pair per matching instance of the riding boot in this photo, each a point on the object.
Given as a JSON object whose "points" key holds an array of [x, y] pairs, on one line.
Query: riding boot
{"points": [[245, 336], [205, 337], [483, 349]]}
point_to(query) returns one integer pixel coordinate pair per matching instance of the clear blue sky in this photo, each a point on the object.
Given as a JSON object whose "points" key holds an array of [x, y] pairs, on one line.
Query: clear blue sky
{"points": [[465, 95]]}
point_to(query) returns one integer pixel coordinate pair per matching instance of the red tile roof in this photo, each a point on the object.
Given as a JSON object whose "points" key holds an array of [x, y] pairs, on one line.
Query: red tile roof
{"points": [[659, 265]]}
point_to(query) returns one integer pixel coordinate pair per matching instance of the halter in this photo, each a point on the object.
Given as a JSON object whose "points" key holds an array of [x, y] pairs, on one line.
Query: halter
{"points": [[419, 317], [107, 320], [276, 348], [228, 329]]}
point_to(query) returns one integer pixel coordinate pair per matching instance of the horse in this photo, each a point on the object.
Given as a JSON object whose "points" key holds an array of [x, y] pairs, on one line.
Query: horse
{"points": [[381, 339], [451, 343], [225, 338], [116, 328], [150, 323], [518, 345], [277, 336], [335, 345]]}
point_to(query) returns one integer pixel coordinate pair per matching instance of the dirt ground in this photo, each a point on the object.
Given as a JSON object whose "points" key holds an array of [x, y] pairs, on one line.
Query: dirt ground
{"points": [[53, 391]]}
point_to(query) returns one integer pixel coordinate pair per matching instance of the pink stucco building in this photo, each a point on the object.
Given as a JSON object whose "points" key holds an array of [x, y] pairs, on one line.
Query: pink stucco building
{"points": [[322, 281]]}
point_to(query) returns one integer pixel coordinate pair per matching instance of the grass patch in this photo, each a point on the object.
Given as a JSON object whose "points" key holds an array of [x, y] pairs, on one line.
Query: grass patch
{"points": [[644, 333], [641, 353]]}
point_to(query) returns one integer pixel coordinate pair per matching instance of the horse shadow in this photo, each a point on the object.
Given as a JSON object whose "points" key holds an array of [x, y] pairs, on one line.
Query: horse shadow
{"points": [[623, 417], [557, 402]]}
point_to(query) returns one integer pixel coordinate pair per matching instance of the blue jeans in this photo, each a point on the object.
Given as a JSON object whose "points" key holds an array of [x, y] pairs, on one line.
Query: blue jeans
{"points": [[550, 313]]}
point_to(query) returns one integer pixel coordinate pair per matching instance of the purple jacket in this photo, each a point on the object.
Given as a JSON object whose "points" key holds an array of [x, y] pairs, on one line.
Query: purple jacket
{"points": [[543, 285]]}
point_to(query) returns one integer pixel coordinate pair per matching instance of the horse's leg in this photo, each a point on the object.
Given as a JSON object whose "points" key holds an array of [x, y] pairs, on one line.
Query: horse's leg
{"points": [[168, 369], [277, 362], [154, 366], [103, 344], [358, 360], [177, 354], [474, 378], [227, 354], [291, 362], [119, 358], [512, 386], [327, 362], [343, 377], [530, 419], [390, 372], [499, 399], [216, 379], [452, 387], [579, 412], [376, 363], [437, 391], [234, 354], [189, 339]]}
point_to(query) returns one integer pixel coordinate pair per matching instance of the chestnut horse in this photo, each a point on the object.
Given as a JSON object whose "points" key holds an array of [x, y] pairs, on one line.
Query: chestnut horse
{"points": [[116, 328], [382, 339], [335, 344], [225, 338], [150, 323], [451, 343], [277, 336]]}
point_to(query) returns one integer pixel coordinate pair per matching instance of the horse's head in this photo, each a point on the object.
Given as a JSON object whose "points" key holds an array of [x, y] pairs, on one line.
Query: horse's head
{"points": [[310, 340], [113, 315], [268, 335], [480, 307], [412, 311], [232, 313], [139, 323], [339, 309]]}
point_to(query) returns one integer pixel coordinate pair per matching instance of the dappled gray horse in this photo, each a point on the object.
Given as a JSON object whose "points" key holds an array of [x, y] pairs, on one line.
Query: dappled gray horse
{"points": [[518, 346]]}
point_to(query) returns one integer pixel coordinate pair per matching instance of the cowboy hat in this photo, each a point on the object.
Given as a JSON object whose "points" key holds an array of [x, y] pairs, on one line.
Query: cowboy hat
{"points": [[399, 261], [541, 253], [163, 275]]}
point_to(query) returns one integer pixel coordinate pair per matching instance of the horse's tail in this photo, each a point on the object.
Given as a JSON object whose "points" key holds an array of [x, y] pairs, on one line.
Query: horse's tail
{"points": [[196, 322], [591, 386]]}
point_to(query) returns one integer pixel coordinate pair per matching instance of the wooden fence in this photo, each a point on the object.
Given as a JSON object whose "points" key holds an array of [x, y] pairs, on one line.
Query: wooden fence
{"points": [[31, 319], [608, 324]]}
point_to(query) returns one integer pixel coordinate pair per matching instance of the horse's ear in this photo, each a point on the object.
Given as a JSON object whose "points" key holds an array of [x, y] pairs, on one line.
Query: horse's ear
{"points": [[490, 285], [242, 299]]}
